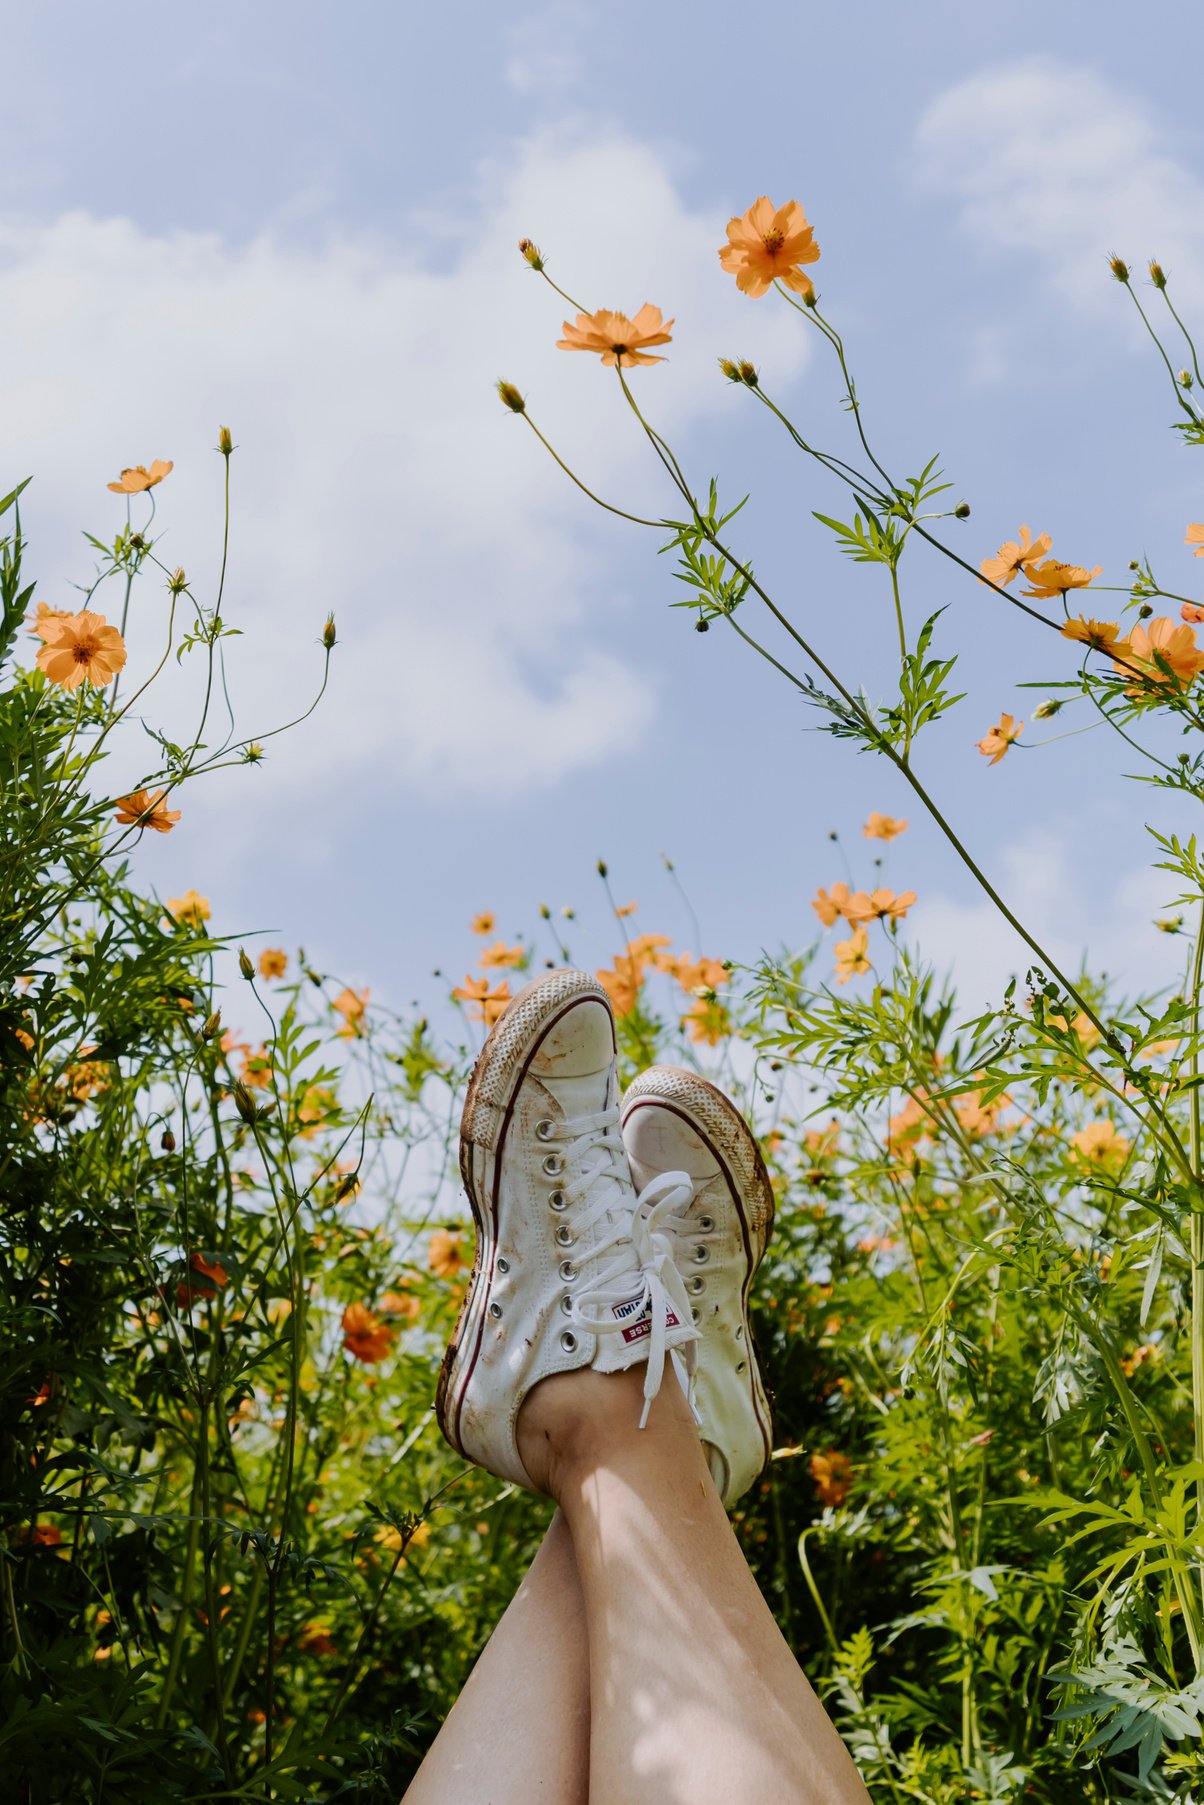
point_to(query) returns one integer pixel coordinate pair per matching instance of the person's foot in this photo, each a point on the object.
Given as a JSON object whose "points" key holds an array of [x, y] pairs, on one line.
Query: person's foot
{"points": [[673, 1121], [567, 1274]]}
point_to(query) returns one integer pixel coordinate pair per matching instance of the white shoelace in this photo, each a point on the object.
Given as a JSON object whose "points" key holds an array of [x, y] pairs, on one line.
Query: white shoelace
{"points": [[595, 1173]]}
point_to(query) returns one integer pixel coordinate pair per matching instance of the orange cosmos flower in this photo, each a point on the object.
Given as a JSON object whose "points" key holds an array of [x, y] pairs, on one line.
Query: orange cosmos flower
{"points": [[273, 962], [767, 245], [499, 954], [401, 1304], [188, 1290], [995, 743], [1099, 1144], [256, 1072], [485, 1005], [365, 1335], [693, 974], [147, 808], [833, 1474], [192, 907], [83, 650], [626, 908], [882, 904], [1014, 557], [444, 1255], [1103, 635], [708, 1022], [615, 338], [1195, 536], [44, 624], [1191, 611], [138, 478], [883, 827], [829, 905], [1174, 646], [350, 1004], [852, 956], [1053, 578], [484, 923]]}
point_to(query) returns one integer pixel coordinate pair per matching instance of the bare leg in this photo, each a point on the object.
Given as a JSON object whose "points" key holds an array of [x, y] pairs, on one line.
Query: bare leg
{"points": [[519, 1731], [695, 1697]]}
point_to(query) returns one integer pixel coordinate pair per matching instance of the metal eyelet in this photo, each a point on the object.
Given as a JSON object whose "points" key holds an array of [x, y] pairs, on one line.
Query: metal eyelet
{"points": [[568, 1271], [566, 1304], [495, 1309], [556, 1201], [706, 1224], [694, 1316], [553, 1165], [740, 1367], [564, 1235], [697, 1285], [544, 1131], [739, 1331], [503, 1264], [701, 1254], [568, 1340]]}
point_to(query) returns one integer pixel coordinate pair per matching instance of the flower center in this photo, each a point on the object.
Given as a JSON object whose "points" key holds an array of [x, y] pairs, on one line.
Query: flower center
{"points": [[620, 349], [84, 651], [773, 241]]}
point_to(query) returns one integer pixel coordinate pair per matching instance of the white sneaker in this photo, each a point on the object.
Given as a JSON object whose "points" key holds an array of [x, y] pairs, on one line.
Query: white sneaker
{"points": [[674, 1122], [571, 1270]]}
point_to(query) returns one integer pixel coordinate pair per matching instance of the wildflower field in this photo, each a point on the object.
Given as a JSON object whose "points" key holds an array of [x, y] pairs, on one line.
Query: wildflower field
{"points": [[236, 1559]]}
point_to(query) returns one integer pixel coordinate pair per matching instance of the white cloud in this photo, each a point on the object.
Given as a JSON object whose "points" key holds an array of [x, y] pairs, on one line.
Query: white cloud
{"points": [[1052, 166], [545, 57], [484, 644]]}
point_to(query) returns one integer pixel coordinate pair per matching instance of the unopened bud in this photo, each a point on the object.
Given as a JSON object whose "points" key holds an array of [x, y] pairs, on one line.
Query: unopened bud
{"points": [[962, 511], [1045, 711], [1119, 268], [1145, 611], [212, 1026], [810, 299], [1134, 564], [244, 965], [244, 1102], [511, 397], [136, 542], [167, 1141], [702, 626], [730, 370], [225, 443], [544, 912], [328, 633], [569, 913], [347, 1186], [531, 252], [177, 581], [748, 373], [253, 753], [1185, 379], [1157, 273], [602, 868]]}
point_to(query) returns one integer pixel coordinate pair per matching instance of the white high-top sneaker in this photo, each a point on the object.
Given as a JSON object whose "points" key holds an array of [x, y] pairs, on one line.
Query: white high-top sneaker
{"points": [[570, 1269], [675, 1123]]}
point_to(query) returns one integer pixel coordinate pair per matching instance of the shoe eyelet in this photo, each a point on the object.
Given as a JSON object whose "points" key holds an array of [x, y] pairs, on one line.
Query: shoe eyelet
{"points": [[495, 1309], [701, 1254], [739, 1331], [564, 1235], [503, 1264], [553, 1165], [556, 1201], [694, 1316], [740, 1367], [544, 1131], [697, 1285], [568, 1341], [566, 1304], [568, 1271], [706, 1224]]}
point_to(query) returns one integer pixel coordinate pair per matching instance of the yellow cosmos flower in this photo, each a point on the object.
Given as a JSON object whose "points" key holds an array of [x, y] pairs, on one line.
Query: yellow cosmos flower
{"points": [[134, 480], [615, 338], [769, 244], [996, 741]]}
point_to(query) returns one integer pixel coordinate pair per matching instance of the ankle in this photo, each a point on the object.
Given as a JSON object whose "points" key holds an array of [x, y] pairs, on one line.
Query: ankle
{"points": [[572, 1423]]}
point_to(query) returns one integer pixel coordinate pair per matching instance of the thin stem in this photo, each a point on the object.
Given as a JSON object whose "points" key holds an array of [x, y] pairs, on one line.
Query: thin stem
{"points": [[621, 512], [1196, 1331]]}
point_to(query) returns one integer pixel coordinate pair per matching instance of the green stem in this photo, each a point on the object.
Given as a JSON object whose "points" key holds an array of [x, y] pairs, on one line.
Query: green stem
{"points": [[1196, 1325]]}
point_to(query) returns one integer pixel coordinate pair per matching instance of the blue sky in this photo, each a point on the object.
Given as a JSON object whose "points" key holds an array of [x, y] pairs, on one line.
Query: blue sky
{"points": [[300, 221]]}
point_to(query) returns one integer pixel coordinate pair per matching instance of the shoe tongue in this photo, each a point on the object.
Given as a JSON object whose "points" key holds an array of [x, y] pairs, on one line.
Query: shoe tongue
{"points": [[583, 1096]]}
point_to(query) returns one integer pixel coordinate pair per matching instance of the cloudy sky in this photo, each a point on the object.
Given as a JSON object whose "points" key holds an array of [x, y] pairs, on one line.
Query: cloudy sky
{"points": [[300, 221]]}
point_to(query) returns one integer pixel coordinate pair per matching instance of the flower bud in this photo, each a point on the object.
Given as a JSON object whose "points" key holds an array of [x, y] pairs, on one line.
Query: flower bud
{"points": [[748, 373], [531, 252], [1157, 273], [730, 370], [177, 581], [244, 965], [810, 299], [212, 1026], [1134, 564], [702, 626], [544, 912], [253, 753], [962, 511], [347, 1186], [328, 633], [511, 397], [602, 868], [1185, 379], [1119, 268], [225, 443], [1145, 611], [1045, 711], [167, 1141], [244, 1102]]}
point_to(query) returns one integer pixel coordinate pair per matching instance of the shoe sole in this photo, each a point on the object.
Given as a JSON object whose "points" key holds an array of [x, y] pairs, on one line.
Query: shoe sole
{"points": [[723, 1130], [500, 1068]]}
